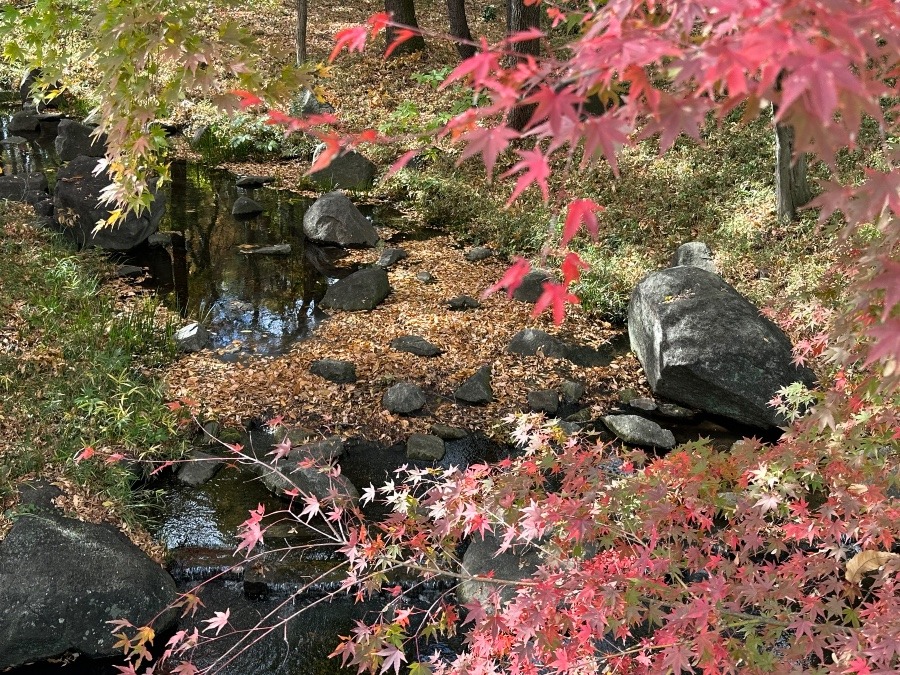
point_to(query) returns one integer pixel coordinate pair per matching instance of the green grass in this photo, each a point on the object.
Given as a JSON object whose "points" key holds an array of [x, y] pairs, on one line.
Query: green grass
{"points": [[77, 368], [720, 191]]}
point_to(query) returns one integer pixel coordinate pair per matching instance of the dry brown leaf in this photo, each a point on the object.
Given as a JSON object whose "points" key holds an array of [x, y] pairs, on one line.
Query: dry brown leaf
{"points": [[867, 561]]}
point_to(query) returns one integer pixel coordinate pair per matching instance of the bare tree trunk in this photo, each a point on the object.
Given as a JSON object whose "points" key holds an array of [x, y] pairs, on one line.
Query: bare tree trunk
{"points": [[459, 27], [520, 17], [403, 12], [791, 185], [301, 31]]}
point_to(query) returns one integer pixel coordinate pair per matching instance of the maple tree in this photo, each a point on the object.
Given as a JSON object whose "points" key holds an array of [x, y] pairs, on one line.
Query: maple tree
{"points": [[761, 559]]}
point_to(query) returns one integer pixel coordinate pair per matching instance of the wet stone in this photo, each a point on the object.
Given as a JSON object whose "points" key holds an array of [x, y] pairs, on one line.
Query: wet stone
{"points": [[544, 400], [425, 447], [199, 468], [403, 398], [448, 433], [462, 303], [675, 411], [246, 207], [415, 344], [334, 370], [13, 140], [24, 120], [253, 181]]}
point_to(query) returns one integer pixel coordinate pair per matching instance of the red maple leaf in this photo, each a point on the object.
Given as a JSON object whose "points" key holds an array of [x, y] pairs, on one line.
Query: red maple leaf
{"points": [[489, 142], [354, 39], [511, 279], [554, 106], [554, 296], [403, 34], [581, 211], [86, 453], [536, 170], [572, 267]]}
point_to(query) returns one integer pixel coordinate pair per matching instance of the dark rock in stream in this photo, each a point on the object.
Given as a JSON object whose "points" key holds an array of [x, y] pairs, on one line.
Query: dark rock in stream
{"points": [[334, 219], [24, 121], [244, 207], [250, 182], [361, 291], [75, 139], [425, 447], [77, 209], [284, 475], [199, 468], [62, 580], [22, 189], [482, 558]]}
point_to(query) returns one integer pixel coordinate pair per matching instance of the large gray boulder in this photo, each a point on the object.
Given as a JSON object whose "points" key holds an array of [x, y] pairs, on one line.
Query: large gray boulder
{"points": [[333, 219], [77, 209], [362, 290], [62, 580], [350, 171], [704, 345], [74, 139]]}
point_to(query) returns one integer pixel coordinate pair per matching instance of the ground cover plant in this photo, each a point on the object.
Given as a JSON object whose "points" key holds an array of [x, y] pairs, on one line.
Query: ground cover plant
{"points": [[79, 365]]}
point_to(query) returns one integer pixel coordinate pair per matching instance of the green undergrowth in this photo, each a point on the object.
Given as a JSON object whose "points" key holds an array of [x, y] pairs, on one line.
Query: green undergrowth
{"points": [[720, 192], [77, 369]]}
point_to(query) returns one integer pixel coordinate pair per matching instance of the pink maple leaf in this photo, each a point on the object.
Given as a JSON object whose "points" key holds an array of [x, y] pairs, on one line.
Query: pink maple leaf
{"points": [[281, 449], [489, 142], [185, 668], [536, 170], [889, 280], [887, 341], [354, 39], [554, 106], [219, 621], [581, 211], [86, 453], [393, 657], [554, 296], [482, 66]]}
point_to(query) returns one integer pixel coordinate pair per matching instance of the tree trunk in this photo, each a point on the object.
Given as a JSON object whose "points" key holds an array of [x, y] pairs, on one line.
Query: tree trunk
{"points": [[403, 12], [301, 31], [791, 186], [459, 27], [520, 17]]}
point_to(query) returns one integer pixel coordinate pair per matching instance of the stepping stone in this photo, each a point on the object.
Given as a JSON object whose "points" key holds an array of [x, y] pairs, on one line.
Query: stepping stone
{"points": [[391, 256], [415, 345], [403, 398], [448, 433], [637, 430], [192, 338], [334, 370], [425, 277], [362, 290], [246, 207], [477, 389], [643, 404], [462, 303], [478, 253], [675, 411], [14, 140], [544, 400], [425, 447], [274, 249]]}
